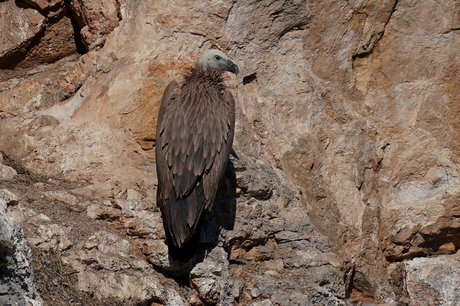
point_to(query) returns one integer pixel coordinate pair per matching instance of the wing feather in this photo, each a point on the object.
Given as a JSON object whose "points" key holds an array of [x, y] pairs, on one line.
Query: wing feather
{"points": [[211, 180], [164, 178]]}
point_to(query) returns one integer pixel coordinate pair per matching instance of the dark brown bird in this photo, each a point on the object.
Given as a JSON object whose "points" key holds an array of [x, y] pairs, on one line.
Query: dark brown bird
{"points": [[195, 130]]}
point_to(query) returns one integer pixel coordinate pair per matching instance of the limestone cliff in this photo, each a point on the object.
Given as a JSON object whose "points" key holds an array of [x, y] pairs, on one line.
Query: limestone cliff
{"points": [[346, 185]]}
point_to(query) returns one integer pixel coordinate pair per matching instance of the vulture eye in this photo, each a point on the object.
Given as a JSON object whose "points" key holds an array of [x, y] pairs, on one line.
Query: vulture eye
{"points": [[217, 57]]}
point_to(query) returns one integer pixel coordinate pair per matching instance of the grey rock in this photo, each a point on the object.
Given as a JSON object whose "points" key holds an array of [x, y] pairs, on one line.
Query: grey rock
{"points": [[7, 173], [17, 285], [264, 302], [211, 278], [433, 281]]}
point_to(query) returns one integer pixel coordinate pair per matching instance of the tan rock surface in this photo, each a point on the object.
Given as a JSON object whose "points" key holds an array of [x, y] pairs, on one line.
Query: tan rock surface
{"points": [[46, 5], [96, 19], [56, 42], [19, 25], [347, 137]]}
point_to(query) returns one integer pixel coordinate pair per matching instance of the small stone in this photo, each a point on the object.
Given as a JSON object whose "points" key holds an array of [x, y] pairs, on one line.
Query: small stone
{"points": [[255, 292], [195, 300], [105, 194], [237, 288], [7, 173], [133, 195], [208, 289], [9, 197], [96, 211], [86, 192], [447, 248], [61, 196], [80, 206], [39, 185]]}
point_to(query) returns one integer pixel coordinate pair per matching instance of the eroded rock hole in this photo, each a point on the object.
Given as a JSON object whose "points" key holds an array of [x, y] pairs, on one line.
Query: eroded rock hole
{"points": [[80, 46], [249, 78]]}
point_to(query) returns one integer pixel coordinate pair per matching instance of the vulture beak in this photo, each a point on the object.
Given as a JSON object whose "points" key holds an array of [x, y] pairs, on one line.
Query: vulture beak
{"points": [[232, 67]]}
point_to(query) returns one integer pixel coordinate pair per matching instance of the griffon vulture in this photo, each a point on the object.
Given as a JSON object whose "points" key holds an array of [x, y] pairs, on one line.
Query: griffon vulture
{"points": [[195, 130]]}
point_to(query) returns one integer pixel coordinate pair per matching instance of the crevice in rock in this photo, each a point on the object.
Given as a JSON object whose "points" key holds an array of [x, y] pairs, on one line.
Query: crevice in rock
{"points": [[397, 281], [405, 255], [229, 11], [5, 114], [6, 251], [23, 4], [361, 55], [348, 281], [119, 15], [359, 290], [76, 30], [298, 26], [451, 30], [393, 10], [411, 254], [440, 238], [249, 78], [445, 236]]}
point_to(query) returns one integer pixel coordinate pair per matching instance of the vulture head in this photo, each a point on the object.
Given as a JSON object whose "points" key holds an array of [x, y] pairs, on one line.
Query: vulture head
{"points": [[216, 59]]}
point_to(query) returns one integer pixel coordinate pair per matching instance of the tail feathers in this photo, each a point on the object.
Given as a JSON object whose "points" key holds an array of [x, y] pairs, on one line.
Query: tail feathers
{"points": [[187, 250], [181, 217]]}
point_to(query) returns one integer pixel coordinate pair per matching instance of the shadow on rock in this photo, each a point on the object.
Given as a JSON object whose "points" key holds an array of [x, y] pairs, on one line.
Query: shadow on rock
{"points": [[207, 235]]}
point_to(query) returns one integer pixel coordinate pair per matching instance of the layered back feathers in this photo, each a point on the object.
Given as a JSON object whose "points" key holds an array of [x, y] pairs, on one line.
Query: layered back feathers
{"points": [[194, 138]]}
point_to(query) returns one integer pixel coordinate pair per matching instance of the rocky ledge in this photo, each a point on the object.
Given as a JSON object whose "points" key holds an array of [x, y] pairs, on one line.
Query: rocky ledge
{"points": [[345, 190]]}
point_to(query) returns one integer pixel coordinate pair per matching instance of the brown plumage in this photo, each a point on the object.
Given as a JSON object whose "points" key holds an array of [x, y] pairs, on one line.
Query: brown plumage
{"points": [[195, 130]]}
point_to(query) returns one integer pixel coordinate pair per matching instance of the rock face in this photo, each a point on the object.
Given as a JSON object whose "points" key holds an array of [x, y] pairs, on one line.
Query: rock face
{"points": [[346, 183], [17, 286], [22, 24], [44, 31]]}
